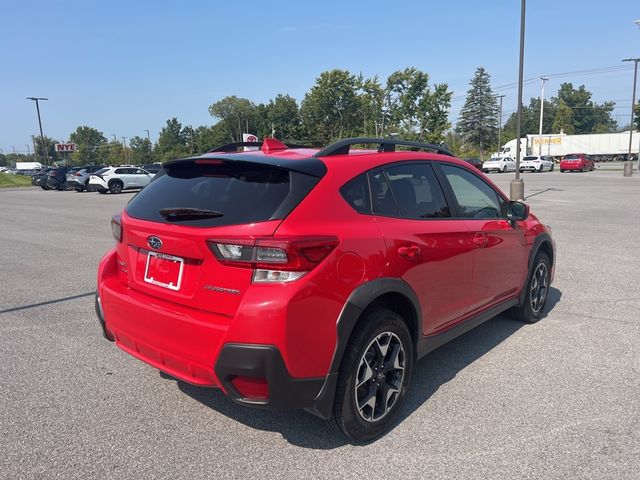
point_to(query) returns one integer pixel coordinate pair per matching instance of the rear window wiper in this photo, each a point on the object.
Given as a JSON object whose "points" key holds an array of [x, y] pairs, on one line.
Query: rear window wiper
{"points": [[177, 214]]}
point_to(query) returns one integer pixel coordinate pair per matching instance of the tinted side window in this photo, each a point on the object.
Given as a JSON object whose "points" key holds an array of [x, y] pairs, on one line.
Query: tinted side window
{"points": [[381, 196], [356, 193], [417, 191], [475, 198], [121, 171]]}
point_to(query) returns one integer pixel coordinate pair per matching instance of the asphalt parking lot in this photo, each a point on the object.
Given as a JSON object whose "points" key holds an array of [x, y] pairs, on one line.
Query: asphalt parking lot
{"points": [[558, 399]]}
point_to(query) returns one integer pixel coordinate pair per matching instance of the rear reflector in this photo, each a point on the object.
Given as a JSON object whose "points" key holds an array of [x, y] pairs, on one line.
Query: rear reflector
{"points": [[251, 388]]}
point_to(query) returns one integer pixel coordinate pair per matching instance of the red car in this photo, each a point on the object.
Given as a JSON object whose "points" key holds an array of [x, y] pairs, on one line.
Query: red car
{"points": [[577, 162], [293, 278]]}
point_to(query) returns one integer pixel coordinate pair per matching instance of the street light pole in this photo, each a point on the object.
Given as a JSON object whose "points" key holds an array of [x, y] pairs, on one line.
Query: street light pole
{"points": [[44, 150], [544, 79], [633, 104], [517, 185]]}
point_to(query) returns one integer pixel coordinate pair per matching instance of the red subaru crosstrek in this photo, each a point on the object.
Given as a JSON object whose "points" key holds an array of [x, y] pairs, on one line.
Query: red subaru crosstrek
{"points": [[293, 278]]}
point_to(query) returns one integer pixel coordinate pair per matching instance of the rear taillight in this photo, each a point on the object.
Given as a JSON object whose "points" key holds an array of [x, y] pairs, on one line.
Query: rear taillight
{"points": [[116, 228], [281, 260], [77, 174]]}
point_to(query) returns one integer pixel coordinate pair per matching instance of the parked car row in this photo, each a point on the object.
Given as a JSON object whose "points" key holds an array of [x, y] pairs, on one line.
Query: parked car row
{"points": [[573, 162], [97, 178]]}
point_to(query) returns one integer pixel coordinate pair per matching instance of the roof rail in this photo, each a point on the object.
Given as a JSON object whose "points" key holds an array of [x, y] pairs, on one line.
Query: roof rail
{"points": [[384, 145], [232, 147]]}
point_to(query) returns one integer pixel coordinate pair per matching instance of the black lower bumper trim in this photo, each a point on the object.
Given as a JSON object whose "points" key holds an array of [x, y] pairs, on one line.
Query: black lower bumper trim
{"points": [[265, 361]]}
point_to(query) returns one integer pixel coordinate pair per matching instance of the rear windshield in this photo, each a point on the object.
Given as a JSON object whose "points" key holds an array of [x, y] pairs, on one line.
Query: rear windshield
{"points": [[572, 157], [530, 158], [240, 192]]}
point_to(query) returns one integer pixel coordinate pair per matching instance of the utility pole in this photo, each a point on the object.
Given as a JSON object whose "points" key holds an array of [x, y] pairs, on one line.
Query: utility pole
{"points": [[500, 122], [114, 137], [150, 147], [544, 79], [44, 150], [633, 104], [191, 137], [124, 149], [28, 149], [517, 185]]}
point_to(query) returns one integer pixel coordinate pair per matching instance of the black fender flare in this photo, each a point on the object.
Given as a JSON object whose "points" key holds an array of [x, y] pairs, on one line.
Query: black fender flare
{"points": [[357, 303], [535, 248]]}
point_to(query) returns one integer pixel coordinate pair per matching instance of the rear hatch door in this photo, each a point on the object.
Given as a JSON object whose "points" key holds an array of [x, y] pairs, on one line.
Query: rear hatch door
{"points": [[166, 229]]}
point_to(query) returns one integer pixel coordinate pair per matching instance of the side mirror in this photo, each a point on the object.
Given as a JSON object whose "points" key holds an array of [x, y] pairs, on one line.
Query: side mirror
{"points": [[517, 211]]}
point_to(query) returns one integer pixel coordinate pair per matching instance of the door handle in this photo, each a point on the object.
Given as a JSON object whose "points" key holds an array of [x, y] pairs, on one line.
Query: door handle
{"points": [[480, 240], [411, 252]]}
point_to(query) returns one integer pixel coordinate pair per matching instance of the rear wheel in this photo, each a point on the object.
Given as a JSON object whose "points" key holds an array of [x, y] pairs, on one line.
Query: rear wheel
{"points": [[374, 376], [504, 169], [115, 187], [536, 290], [102, 192]]}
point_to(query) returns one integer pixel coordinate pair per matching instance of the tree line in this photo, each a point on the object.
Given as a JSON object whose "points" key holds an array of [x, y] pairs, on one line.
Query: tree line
{"points": [[342, 104]]}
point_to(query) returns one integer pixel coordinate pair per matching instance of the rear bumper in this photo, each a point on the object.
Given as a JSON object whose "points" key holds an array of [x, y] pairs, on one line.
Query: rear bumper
{"points": [[192, 345], [574, 166]]}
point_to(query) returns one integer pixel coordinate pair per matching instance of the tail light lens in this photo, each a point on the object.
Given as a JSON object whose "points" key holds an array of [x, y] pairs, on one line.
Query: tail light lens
{"points": [[77, 174], [281, 260], [116, 228]]}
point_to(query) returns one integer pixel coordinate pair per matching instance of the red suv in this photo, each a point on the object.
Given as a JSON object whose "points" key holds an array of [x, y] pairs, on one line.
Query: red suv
{"points": [[577, 161], [293, 278]]}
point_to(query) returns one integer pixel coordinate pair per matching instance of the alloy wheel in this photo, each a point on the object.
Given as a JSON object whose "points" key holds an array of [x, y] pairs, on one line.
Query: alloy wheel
{"points": [[379, 376], [539, 286]]}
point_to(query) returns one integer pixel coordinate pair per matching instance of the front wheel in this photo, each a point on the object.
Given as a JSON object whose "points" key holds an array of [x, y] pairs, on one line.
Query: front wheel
{"points": [[537, 289], [374, 376], [504, 169]]}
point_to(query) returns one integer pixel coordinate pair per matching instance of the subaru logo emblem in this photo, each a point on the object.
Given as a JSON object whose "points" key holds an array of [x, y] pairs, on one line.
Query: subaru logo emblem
{"points": [[154, 242]]}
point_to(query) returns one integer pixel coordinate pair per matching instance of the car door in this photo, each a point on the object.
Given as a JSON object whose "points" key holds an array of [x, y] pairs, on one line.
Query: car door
{"points": [[142, 177], [426, 248], [500, 261]]}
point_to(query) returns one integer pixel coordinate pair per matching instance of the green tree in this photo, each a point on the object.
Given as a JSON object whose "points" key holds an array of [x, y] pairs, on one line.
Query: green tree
{"points": [[372, 97], [588, 116], [140, 150], [564, 121], [206, 138], [236, 114], [406, 90], [433, 114], [90, 144], [50, 149], [636, 116], [171, 141], [330, 109], [282, 117], [478, 121]]}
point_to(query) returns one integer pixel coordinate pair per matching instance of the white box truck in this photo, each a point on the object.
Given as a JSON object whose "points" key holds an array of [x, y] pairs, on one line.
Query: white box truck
{"points": [[603, 147]]}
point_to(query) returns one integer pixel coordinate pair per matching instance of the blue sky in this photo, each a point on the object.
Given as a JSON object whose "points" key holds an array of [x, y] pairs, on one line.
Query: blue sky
{"points": [[124, 67]]}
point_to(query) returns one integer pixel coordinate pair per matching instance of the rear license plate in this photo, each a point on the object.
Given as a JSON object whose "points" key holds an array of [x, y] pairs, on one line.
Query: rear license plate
{"points": [[164, 270]]}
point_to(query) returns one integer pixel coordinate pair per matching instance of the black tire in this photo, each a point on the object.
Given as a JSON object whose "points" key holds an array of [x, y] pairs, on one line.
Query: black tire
{"points": [[102, 192], [552, 168], [561, 171], [362, 359], [115, 186], [504, 169], [537, 290], [44, 187]]}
